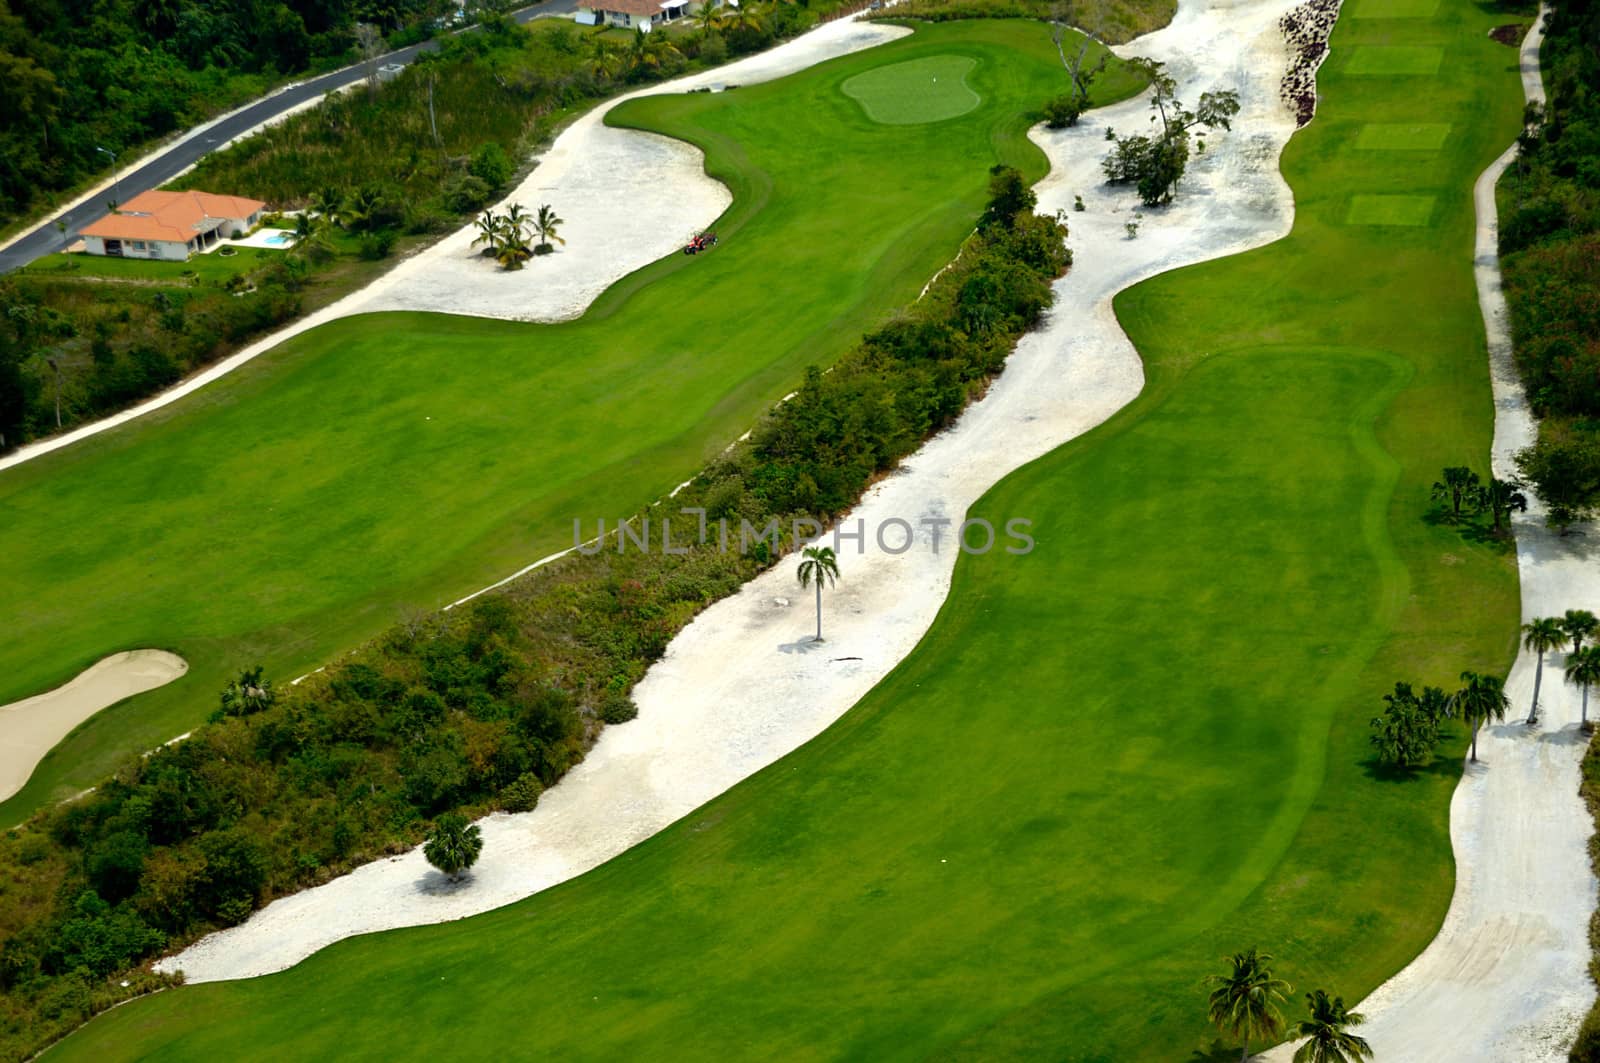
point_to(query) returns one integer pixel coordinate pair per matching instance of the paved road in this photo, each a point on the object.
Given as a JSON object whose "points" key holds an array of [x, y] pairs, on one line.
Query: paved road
{"points": [[167, 165]]}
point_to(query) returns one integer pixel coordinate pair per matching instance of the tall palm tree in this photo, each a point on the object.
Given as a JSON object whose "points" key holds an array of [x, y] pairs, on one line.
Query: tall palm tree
{"points": [[1541, 635], [1244, 1002], [1583, 668], [1328, 1030], [1481, 698], [819, 564], [326, 202], [1579, 624], [745, 16], [545, 223], [1501, 498]]}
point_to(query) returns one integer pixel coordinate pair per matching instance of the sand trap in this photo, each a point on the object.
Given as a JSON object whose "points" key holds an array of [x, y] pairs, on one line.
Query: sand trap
{"points": [[1507, 978], [742, 685], [628, 198], [31, 728]]}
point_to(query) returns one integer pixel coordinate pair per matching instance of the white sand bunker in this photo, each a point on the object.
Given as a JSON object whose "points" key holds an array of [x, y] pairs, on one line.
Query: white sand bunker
{"points": [[742, 685], [31, 728]]}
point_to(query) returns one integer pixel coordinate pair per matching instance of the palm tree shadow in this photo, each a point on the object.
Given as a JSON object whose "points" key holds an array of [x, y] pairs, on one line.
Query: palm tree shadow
{"points": [[1382, 771], [1215, 1052], [805, 645]]}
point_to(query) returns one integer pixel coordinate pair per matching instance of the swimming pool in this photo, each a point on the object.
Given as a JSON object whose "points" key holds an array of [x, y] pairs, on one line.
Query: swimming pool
{"points": [[279, 239]]}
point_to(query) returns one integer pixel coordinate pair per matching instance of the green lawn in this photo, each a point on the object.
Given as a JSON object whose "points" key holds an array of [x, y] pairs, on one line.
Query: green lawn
{"points": [[397, 461], [1109, 762], [209, 266], [915, 91]]}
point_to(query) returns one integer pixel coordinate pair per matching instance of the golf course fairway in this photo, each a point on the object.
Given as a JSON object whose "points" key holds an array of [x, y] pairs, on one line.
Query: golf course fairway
{"points": [[1229, 575], [391, 462]]}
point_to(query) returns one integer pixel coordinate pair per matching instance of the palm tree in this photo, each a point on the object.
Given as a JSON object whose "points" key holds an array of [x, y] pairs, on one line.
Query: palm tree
{"points": [[544, 223], [819, 564], [1328, 1032], [1501, 498], [454, 844], [310, 236], [709, 18], [744, 16], [1481, 698], [1542, 634], [1579, 624], [1458, 485], [327, 202], [516, 218], [489, 227], [1245, 1001], [512, 252], [247, 694], [602, 58], [649, 51], [1583, 668]]}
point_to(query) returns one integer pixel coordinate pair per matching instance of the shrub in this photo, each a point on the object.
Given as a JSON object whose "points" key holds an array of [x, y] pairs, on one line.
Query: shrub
{"points": [[491, 165], [377, 245], [618, 708], [1062, 111], [523, 794]]}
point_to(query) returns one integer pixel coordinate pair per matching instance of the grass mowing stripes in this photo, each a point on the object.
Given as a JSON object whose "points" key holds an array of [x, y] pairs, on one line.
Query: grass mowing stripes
{"points": [[390, 462], [1109, 762]]}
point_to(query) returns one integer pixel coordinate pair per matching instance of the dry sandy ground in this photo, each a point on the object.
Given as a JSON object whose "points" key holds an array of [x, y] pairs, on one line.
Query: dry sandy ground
{"points": [[604, 182], [32, 727], [743, 684], [1506, 980]]}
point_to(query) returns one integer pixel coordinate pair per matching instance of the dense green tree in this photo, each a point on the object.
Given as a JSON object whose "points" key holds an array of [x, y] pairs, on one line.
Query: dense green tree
{"points": [[1405, 734], [1579, 624], [1458, 486], [248, 693]]}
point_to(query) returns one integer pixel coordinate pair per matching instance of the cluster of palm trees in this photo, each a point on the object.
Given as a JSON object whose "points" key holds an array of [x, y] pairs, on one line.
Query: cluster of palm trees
{"points": [[1409, 727], [1246, 1003], [506, 237], [1548, 634], [1463, 490]]}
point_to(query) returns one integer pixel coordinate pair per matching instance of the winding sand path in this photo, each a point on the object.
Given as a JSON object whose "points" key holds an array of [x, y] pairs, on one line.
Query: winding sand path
{"points": [[32, 727], [742, 685], [1507, 977]]}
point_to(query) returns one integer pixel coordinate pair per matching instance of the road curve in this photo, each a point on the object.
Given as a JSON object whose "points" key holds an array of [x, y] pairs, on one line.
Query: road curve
{"points": [[161, 167]]}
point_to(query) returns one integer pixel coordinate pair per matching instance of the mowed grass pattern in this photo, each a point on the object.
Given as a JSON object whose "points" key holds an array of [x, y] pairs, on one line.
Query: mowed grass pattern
{"points": [[1403, 136], [1390, 210], [390, 462], [1110, 762], [915, 91]]}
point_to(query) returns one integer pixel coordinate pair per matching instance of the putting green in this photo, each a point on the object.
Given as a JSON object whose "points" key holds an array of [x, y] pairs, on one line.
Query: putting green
{"points": [[1110, 762], [916, 91], [1403, 136], [1395, 59], [1389, 210], [277, 515]]}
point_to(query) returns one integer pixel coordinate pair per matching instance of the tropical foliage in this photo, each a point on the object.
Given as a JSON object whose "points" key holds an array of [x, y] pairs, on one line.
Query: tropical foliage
{"points": [[1327, 1032], [1549, 206], [454, 845], [1155, 164], [818, 566], [1480, 700]]}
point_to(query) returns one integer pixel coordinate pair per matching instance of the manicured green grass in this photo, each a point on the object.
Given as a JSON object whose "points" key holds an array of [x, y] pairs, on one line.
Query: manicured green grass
{"points": [[1394, 8], [1391, 59], [209, 266], [1389, 210], [391, 462], [1403, 136], [1109, 762], [915, 91]]}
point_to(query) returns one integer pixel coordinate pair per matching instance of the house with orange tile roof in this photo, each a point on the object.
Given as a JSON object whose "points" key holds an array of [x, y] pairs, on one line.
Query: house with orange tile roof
{"points": [[634, 14], [170, 225]]}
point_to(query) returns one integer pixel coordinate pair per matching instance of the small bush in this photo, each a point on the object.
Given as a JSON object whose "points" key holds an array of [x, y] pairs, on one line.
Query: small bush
{"points": [[1061, 112], [375, 246], [618, 708], [522, 795], [491, 165]]}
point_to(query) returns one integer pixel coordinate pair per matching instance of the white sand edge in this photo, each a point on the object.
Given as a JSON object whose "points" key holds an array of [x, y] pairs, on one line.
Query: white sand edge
{"points": [[32, 727], [743, 685], [1506, 979]]}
